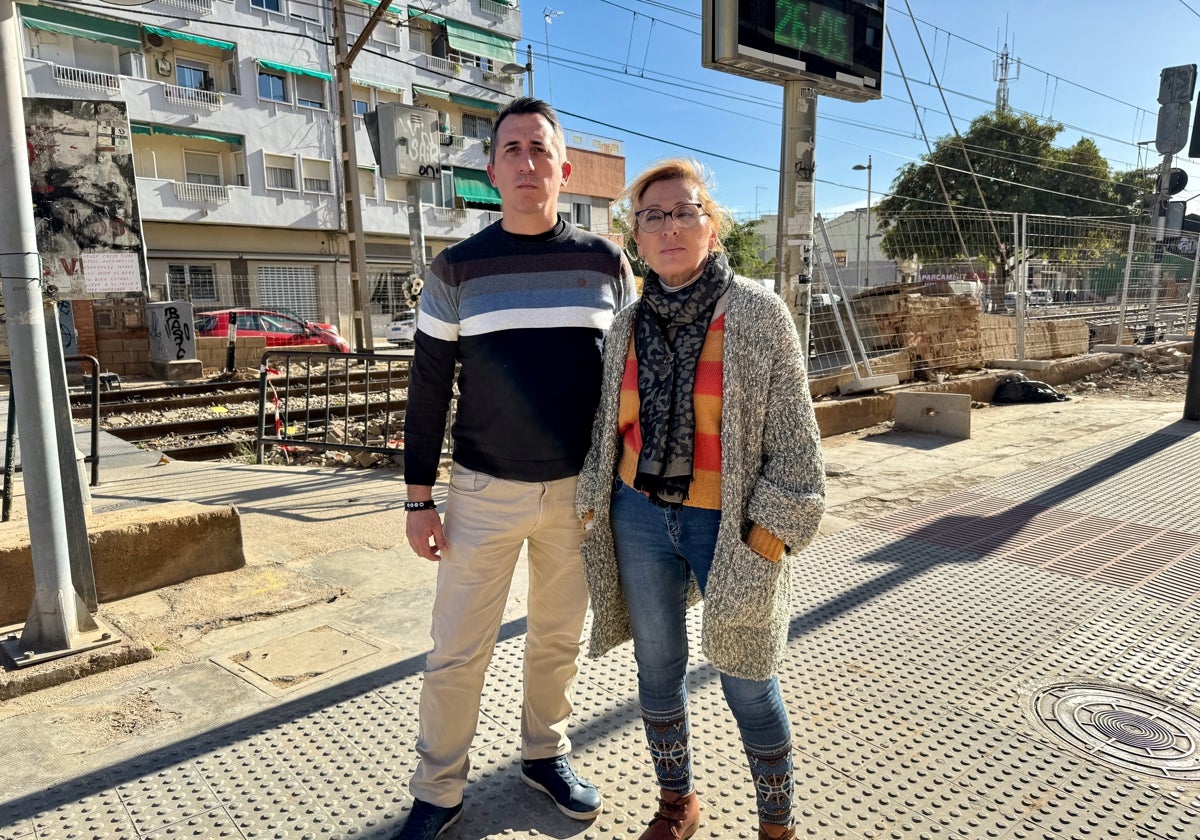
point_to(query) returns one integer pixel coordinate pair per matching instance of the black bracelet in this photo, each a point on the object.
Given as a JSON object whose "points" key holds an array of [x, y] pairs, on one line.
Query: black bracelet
{"points": [[428, 504]]}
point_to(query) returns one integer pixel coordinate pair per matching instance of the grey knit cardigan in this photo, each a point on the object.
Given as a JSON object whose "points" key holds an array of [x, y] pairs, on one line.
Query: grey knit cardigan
{"points": [[771, 473]]}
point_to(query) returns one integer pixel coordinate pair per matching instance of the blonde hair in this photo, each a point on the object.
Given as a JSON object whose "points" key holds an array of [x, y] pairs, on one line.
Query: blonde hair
{"points": [[692, 173]]}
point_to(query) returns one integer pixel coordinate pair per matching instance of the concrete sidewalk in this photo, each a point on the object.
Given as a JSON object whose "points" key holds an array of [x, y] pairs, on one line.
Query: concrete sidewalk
{"points": [[994, 637]]}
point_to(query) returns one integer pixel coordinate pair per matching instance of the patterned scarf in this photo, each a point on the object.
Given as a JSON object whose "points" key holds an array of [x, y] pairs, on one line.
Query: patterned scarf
{"points": [[669, 331]]}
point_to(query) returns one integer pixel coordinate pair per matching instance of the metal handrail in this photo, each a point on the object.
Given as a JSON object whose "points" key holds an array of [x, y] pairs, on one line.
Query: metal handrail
{"points": [[10, 451]]}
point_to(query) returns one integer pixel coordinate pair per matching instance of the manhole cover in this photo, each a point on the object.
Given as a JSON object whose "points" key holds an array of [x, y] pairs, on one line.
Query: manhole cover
{"points": [[1126, 728]]}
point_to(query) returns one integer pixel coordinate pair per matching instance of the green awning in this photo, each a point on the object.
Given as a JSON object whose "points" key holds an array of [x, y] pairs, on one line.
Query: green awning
{"points": [[299, 71], [371, 83], [468, 39], [421, 90], [177, 131], [420, 15], [398, 10], [472, 102], [100, 29], [474, 185], [187, 36]]}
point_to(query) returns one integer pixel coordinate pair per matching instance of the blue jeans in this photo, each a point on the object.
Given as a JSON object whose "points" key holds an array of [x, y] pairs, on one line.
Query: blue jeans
{"points": [[657, 547]]}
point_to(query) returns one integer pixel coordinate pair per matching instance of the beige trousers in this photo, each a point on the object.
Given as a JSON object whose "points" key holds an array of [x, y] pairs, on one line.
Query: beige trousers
{"points": [[487, 520]]}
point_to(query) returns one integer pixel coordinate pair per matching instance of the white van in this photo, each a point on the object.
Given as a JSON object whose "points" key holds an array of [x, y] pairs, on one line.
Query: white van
{"points": [[1041, 297], [1010, 300]]}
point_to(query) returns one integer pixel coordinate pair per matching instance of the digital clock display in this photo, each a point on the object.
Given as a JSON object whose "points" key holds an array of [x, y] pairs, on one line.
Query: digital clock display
{"points": [[837, 45], [814, 28]]}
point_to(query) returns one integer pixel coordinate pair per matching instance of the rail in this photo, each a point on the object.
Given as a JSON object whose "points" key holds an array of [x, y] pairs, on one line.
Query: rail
{"points": [[328, 412]]}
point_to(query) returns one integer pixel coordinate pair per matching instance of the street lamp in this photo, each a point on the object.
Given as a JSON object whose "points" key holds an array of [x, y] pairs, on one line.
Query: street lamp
{"points": [[527, 69], [858, 167]]}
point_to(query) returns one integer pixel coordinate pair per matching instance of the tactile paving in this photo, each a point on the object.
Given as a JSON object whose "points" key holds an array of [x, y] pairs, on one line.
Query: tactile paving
{"points": [[918, 647]]}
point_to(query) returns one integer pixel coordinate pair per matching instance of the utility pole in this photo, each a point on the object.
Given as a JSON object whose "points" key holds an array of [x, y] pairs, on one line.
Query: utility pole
{"points": [[795, 232], [59, 623], [360, 293]]}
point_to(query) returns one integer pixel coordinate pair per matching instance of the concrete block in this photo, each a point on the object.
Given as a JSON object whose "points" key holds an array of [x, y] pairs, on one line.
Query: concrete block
{"points": [[177, 369], [934, 413], [134, 550]]}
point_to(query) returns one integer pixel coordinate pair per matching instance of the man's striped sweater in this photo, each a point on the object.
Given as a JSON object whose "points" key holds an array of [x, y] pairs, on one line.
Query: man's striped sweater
{"points": [[525, 317]]}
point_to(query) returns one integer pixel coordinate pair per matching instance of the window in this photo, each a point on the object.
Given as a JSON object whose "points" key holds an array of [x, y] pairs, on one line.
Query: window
{"points": [[193, 75], [304, 9], [269, 5], [581, 214], [192, 282], [310, 92], [418, 40], [272, 85], [239, 168], [366, 181], [281, 172], [360, 107], [316, 175], [476, 126], [439, 193], [202, 168]]}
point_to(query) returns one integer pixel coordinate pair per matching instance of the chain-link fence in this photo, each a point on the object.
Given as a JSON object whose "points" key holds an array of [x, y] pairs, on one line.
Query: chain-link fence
{"points": [[1039, 287]]}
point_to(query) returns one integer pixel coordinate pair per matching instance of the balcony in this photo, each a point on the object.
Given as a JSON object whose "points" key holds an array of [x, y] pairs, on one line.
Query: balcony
{"points": [[441, 65], [497, 10], [75, 77], [449, 214], [201, 193], [199, 99], [506, 81], [456, 222], [199, 7]]}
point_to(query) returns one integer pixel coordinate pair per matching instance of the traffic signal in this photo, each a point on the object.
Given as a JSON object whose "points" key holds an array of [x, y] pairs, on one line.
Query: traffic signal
{"points": [[1177, 179]]}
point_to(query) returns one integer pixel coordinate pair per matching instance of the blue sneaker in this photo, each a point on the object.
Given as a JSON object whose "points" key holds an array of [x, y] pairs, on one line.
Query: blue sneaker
{"points": [[425, 821], [576, 798]]}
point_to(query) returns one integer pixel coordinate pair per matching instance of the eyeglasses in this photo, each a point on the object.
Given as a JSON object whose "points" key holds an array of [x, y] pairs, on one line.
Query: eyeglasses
{"points": [[684, 216]]}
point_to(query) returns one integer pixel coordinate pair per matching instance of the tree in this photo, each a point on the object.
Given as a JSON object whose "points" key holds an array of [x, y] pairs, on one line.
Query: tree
{"points": [[742, 246], [1018, 171]]}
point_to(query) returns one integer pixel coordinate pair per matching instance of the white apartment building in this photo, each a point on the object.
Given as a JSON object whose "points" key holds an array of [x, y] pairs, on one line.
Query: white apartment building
{"points": [[233, 109]]}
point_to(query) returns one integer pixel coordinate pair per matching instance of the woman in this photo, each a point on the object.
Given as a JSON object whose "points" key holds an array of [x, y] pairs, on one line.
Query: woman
{"points": [[705, 474]]}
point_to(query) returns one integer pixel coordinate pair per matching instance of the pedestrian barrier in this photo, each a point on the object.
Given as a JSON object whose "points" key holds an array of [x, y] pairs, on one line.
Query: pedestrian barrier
{"points": [[349, 402]]}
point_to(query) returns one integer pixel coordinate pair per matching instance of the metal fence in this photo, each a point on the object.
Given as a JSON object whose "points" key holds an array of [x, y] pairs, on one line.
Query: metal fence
{"points": [[348, 402], [1043, 287]]}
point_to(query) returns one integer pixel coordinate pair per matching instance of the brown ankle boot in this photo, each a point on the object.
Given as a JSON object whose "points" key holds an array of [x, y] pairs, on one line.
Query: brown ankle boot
{"points": [[769, 831], [678, 817]]}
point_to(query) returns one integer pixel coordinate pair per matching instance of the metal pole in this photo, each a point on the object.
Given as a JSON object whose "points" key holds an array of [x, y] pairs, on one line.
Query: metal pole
{"points": [[869, 168], [1023, 274], [57, 616], [1125, 285], [795, 234], [360, 295], [1150, 334], [857, 251], [529, 67], [1191, 402]]}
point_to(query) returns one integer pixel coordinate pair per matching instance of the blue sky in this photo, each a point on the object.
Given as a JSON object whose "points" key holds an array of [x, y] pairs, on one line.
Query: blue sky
{"points": [[611, 67]]}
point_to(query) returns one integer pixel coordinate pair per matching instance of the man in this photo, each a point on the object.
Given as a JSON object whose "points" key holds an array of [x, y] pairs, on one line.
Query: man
{"points": [[522, 307]]}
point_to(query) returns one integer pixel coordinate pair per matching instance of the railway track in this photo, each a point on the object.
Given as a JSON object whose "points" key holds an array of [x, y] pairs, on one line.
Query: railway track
{"points": [[214, 420]]}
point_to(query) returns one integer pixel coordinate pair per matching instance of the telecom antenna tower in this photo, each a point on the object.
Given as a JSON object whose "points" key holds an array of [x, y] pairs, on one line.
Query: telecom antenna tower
{"points": [[1001, 66]]}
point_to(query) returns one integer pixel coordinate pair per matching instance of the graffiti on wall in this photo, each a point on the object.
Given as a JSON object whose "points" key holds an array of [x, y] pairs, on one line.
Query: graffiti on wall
{"points": [[170, 328], [89, 234]]}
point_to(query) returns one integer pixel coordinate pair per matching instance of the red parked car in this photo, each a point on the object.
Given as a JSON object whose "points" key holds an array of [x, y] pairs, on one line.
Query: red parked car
{"points": [[278, 328]]}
